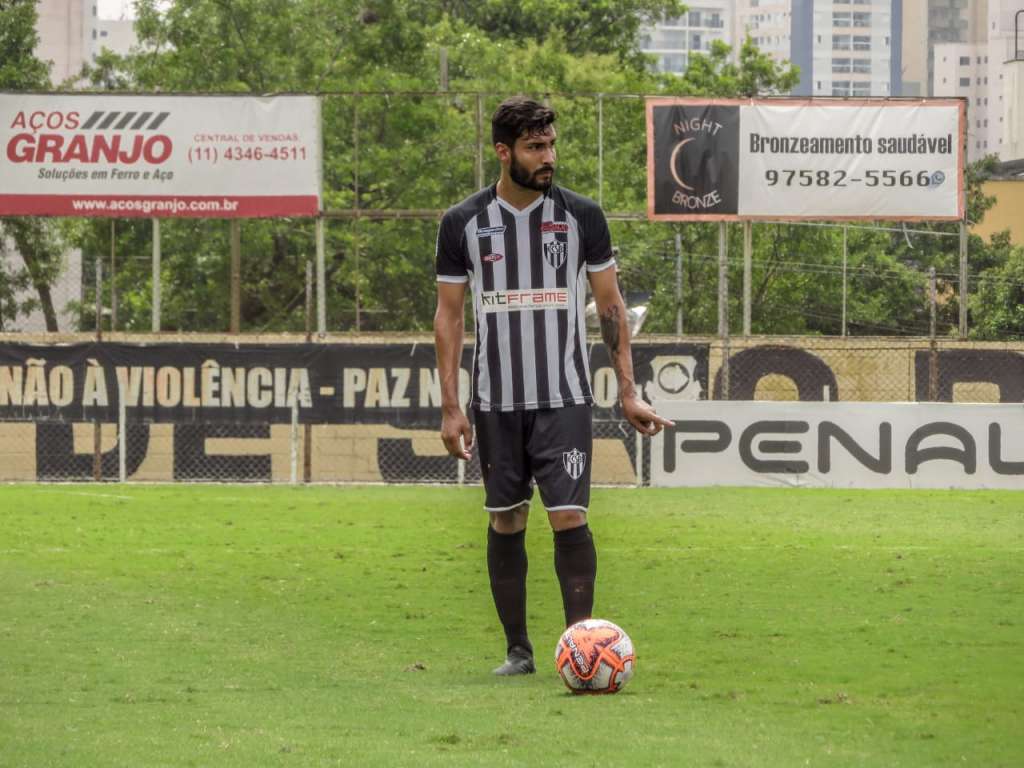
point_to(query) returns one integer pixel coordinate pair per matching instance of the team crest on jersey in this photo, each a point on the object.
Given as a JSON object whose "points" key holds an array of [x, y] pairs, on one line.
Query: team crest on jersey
{"points": [[554, 253], [490, 231], [574, 461]]}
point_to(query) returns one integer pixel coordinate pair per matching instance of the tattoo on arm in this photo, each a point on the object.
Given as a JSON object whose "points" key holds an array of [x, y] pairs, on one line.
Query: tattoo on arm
{"points": [[612, 323], [610, 333]]}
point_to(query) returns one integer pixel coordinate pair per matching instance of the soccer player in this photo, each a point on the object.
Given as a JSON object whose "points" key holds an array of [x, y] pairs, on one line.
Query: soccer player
{"points": [[525, 246]]}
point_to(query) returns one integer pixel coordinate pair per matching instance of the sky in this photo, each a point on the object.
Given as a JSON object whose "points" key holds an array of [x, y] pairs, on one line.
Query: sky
{"points": [[115, 9]]}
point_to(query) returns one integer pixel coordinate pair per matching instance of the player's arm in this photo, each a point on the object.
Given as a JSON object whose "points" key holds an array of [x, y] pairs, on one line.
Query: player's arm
{"points": [[448, 335], [615, 330]]}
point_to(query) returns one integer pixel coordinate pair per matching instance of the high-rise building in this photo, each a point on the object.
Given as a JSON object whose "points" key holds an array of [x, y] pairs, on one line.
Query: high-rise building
{"points": [[988, 71], [843, 47], [72, 32], [65, 29], [768, 23], [673, 40], [847, 48]]}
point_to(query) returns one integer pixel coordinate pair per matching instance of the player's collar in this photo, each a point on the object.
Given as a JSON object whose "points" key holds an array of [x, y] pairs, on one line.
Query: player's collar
{"points": [[519, 211]]}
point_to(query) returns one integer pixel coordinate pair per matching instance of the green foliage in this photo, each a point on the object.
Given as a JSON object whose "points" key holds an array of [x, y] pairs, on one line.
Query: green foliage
{"points": [[421, 152], [997, 302], [20, 70], [596, 27], [37, 240], [756, 73]]}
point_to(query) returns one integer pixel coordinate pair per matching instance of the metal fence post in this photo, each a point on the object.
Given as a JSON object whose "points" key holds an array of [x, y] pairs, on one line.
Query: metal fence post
{"points": [[600, 150], [97, 442], [355, 201], [294, 439], [679, 284], [122, 435], [748, 257], [321, 277], [236, 276], [156, 275], [479, 141], [933, 350], [963, 279], [723, 280], [99, 299], [845, 228], [307, 429], [113, 275], [723, 303]]}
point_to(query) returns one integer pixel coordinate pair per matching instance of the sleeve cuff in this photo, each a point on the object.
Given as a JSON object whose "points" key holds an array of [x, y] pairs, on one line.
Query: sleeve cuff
{"points": [[453, 278], [602, 266]]}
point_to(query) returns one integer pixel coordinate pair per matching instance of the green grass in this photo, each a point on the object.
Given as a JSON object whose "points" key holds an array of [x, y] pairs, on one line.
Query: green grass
{"points": [[271, 626]]}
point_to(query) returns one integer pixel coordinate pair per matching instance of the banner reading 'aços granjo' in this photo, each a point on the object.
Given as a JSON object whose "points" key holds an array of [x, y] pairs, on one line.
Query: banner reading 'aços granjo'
{"points": [[159, 156], [732, 159]]}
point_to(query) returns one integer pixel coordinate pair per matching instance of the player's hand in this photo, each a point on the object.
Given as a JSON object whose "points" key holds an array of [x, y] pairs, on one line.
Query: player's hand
{"points": [[643, 417], [456, 433]]}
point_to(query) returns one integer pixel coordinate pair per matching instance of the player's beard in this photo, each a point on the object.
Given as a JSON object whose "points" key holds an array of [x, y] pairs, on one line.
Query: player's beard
{"points": [[530, 180]]}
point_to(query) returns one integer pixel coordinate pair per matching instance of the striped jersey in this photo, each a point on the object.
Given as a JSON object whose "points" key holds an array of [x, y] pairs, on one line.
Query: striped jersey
{"points": [[527, 271]]}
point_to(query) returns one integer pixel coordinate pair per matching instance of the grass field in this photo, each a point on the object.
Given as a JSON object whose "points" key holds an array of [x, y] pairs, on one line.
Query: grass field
{"points": [[272, 626]]}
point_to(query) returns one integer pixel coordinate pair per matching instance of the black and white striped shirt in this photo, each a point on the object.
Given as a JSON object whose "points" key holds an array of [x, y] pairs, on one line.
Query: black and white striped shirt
{"points": [[526, 271]]}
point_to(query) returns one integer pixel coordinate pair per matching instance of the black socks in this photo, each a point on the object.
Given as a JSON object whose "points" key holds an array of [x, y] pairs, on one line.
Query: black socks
{"points": [[576, 566], [506, 565]]}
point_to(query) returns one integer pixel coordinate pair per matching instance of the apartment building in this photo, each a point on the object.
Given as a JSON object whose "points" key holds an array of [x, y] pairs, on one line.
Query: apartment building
{"points": [[674, 40], [72, 32], [989, 73], [843, 48]]}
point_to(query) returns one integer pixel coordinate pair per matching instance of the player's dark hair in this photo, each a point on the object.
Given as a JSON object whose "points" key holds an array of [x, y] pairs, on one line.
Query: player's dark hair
{"points": [[519, 116]]}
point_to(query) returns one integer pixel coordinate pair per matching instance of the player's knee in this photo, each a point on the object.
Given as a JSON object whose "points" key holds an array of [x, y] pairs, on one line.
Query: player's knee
{"points": [[510, 520], [564, 519]]}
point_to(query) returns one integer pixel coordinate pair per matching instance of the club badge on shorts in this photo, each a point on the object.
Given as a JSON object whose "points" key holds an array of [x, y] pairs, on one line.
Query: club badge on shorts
{"points": [[574, 462]]}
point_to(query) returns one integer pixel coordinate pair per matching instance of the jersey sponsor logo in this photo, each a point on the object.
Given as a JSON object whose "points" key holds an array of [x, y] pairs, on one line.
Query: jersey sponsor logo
{"points": [[492, 257], [574, 461], [489, 231], [554, 226], [524, 299], [554, 253]]}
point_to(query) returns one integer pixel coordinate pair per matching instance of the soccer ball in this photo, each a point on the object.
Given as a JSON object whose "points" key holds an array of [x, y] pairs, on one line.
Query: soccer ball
{"points": [[595, 656]]}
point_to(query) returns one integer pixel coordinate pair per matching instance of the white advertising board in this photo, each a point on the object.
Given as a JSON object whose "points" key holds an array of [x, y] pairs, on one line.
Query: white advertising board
{"points": [[162, 156], [836, 159], [841, 445]]}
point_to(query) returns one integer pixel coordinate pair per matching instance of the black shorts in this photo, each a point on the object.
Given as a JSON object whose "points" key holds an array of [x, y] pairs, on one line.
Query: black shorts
{"points": [[552, 446]]}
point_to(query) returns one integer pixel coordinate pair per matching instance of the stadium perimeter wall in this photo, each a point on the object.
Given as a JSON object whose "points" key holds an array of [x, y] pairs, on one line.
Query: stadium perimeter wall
{"points": [[370, 412]]}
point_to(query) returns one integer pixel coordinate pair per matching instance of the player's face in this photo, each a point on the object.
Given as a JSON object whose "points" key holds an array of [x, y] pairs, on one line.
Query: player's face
{"points": [[532, 163]]}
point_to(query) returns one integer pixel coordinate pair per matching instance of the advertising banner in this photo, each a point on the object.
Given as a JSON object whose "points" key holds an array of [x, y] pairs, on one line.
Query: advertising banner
{"points": [[731, 159], [159, 156], [224, 411], [844, 445], [328, 383]]}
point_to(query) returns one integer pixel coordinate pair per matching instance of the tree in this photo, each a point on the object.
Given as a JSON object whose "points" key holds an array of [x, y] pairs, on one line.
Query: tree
{"points": [[419, 150], [38, 241], [997, 303], [599, 27]]}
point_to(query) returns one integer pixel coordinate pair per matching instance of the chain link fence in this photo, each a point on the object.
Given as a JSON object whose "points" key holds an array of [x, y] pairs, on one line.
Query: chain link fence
{"points": [[393, 162], [63, 444]]}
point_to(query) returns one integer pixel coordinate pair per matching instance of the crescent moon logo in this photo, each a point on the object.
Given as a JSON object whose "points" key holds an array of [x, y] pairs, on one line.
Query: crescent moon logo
{"points": [[672, 164]]}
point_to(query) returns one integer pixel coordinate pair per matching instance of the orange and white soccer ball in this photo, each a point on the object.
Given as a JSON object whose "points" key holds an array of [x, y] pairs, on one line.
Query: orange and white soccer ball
{"points": [[595, 656]]}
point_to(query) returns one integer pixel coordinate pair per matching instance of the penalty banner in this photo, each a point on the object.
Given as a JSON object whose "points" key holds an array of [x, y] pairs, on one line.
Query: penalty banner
{"points": [[159, 156], [840, 445], [730, 159]]}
